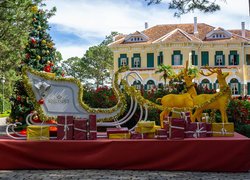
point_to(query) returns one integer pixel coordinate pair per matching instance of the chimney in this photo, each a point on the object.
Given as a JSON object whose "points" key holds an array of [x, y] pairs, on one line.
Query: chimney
{"points": [[146, 25], [243, 30], [195, 26]]}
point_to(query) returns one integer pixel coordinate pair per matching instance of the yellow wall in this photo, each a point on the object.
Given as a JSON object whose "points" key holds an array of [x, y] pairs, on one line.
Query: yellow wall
{"points": [[242, 72]]}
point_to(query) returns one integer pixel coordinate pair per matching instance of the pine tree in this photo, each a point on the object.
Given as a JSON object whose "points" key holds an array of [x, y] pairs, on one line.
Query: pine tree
{"points": [[40, 55]]}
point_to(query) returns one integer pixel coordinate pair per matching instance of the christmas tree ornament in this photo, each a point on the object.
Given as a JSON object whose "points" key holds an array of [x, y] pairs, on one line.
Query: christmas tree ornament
{"points": [[18, 98], [43, 41], [27, 56], [33, 40], [41, 101], [35, 117], [34, 9], [38, 57]]}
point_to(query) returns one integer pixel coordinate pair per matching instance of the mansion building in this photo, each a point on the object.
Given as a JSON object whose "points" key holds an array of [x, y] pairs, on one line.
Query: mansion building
{"points": [[173, 44]]}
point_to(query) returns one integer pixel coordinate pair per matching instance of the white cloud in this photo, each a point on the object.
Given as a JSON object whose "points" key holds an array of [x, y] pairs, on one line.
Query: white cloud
{"points": [[71, 51], [97, 18]]}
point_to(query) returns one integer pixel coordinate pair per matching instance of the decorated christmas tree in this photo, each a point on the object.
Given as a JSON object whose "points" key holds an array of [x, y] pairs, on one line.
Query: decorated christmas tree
{"points": [[40, 55]]}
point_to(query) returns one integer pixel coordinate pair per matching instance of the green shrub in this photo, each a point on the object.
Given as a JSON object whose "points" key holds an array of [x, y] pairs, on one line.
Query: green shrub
{"points": [[7, 105]]}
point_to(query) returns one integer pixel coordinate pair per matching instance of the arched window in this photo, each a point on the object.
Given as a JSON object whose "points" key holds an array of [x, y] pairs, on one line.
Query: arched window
{"points": [[216, 85], [235, 86], [137, 84], [150, 85], [205, 84]]}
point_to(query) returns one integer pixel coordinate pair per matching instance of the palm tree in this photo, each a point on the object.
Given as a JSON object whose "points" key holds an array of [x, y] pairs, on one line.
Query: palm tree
{"points": [[167, 71]]}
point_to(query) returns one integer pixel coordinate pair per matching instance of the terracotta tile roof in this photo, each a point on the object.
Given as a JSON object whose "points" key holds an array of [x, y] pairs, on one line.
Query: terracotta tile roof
{"points": [[177, 35], [183, 33], [238, 32]]}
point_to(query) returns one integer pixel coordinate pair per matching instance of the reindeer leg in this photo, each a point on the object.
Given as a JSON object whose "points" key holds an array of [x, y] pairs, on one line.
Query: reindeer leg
{"points": [[162, 115], [162, 118]]}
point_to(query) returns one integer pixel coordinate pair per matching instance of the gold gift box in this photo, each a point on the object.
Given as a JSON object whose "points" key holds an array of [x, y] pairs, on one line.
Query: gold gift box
{"points": [[222, 129], [176, 113], [37, 132], [119, 136], [148, 124], [145, 129]]}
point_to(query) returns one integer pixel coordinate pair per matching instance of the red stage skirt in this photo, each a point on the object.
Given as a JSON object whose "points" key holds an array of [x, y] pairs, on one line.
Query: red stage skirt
{"points": [[228, 154]]}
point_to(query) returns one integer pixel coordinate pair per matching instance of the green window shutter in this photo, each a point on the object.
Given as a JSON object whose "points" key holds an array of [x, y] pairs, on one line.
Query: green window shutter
{"points": [[172, 59], [150, 59], [248, 88], [204, 58], [229, 62], [210, 85], [196, 60], [239, 88], [119, 62], [215, 86], [215, 60], [127, 62], [181, 59], [223, 60], [237, 59], [145, 87], [132, 62]]}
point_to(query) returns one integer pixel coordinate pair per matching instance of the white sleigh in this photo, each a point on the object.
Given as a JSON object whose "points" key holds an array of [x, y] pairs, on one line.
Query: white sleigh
{"points": [[63, 97]]}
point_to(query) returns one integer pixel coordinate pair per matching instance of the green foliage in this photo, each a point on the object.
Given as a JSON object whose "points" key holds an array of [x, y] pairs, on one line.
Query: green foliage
{"points": [[238, 111], [40, 55], [243, 129], [102, 97], [166, 70], [7, 105], [93, 69], [186, 6]]}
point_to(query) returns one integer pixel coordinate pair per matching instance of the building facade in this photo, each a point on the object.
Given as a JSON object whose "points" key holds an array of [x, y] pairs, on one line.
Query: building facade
{"points": [[173, 44]]}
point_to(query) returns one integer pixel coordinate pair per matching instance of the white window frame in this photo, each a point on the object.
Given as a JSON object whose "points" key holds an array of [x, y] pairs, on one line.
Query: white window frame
{"points": [[136, 62], [177, 59], [219, 60], [204, 85], [234, 88], [233, 59], [123, 61]]}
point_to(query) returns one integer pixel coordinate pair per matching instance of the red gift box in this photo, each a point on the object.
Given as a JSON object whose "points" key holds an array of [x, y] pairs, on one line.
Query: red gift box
{"points": [[80, 129], [176, 128], [209, 129], [65, 128], [117, 130], [136, 135], [196, 130], [92, 130], [186, 116], [161, 134]]}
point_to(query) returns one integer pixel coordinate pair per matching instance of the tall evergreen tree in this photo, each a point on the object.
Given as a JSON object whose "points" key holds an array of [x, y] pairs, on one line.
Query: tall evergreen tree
{"points": [[40, 55]]}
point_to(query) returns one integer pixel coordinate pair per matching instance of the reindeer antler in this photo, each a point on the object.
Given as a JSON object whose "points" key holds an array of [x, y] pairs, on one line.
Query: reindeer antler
{"points": [[211, 70]]}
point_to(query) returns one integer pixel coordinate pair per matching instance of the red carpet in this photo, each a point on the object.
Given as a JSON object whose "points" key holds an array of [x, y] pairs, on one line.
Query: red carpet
{"points": [[228, 154]]}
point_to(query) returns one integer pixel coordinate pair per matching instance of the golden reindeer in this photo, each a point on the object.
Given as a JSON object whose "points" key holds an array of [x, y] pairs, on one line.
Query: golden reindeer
{"points": [[218, 100], [179, 100]]}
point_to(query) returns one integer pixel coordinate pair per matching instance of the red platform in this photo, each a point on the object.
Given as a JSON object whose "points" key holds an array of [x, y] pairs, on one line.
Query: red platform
{"points": [[228, 154]]}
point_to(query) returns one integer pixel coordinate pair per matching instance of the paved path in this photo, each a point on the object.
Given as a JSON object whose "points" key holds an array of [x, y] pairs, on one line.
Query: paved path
{"points": [[117, 175], [2, 126]]}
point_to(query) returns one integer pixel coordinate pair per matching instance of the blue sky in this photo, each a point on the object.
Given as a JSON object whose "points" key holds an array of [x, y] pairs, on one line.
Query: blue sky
{"points": [[80, 24]]}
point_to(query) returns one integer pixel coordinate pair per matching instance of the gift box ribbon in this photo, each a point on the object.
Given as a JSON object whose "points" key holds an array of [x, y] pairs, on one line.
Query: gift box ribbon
{"points": [[66, 128], [223, 131]]}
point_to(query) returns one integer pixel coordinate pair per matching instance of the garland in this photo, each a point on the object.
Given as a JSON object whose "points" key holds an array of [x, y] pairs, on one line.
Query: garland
{"points": [[118, 94], [131, 91]]}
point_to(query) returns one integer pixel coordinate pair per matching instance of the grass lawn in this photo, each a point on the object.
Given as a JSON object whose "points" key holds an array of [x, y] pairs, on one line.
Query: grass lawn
{"points": [[4, 115]]}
